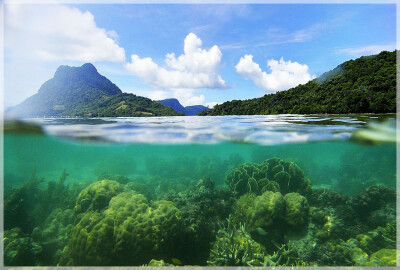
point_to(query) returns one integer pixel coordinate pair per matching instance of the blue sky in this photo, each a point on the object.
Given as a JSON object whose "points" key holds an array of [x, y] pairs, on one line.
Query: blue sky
{"points": [[229, 46]]}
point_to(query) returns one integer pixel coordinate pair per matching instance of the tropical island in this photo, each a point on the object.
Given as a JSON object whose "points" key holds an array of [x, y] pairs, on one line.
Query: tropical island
{"points": [[364, 85]]}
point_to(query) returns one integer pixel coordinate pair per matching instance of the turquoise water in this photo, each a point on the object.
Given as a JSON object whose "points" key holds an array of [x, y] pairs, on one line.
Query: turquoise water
{"points": [[181, 170]]}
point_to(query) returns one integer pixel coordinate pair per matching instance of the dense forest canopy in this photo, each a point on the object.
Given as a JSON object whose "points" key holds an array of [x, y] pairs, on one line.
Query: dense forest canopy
{"points": [[364, 85]]}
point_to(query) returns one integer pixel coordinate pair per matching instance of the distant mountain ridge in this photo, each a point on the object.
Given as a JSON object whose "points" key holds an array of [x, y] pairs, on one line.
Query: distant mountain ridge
{"points": [[177, 106], [82, 91], [363, 85]]}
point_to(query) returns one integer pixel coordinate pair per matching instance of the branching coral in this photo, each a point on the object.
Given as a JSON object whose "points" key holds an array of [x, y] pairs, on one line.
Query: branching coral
{"points": [[235, 247]]}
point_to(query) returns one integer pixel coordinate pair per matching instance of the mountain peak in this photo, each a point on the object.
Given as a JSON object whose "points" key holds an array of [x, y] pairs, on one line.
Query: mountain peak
{"points": [[65, 70], [69, 89], [88, 67]]}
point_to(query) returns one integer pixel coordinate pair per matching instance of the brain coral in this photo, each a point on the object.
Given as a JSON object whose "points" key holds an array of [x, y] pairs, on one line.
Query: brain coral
{"points": [[271, 175], [97, 195], [266, 209], [129, 232], [296, 209]]}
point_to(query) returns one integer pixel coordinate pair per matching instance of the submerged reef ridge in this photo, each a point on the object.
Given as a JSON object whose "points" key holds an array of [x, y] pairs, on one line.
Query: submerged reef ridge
{"points": [[264, 214]]}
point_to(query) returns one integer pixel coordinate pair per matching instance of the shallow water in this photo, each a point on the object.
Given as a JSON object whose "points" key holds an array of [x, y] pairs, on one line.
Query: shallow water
{"points": [[163, 158]]}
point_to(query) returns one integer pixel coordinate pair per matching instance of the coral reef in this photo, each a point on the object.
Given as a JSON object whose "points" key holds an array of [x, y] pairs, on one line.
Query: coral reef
{"points": [[158, 263], [373, 198], [267, 208], [20, 204], [54, 235], [265, 214], [296, 209], [383, 257], [271, 175], [97, 195], [128, 232], [20, 249], [235, 247], [202, 207]]}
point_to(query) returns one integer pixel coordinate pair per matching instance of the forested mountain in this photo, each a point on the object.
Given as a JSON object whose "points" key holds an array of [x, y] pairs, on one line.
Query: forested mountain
{"points": [[188, 110], [364, 85], [82, 91]]}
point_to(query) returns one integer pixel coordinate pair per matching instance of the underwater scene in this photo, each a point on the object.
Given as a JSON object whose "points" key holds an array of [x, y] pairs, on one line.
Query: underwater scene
{"points": [[284, 190]]}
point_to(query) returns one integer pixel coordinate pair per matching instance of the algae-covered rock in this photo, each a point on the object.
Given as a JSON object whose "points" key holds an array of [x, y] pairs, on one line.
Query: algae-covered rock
{"points": [[373, 198], [267, 208], [359, 256], [97, 195], [318, 216], [158, 263], [296, 209], [375, 240], [54, 235], [20, 249], [383, 257]]}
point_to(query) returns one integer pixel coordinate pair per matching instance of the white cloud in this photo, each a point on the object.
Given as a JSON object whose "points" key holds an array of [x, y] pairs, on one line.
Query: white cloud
{"points": [[58, 32], [283, 75], [158, 95], [186, 97], [211, 104], [196, 68], [367, 50]]}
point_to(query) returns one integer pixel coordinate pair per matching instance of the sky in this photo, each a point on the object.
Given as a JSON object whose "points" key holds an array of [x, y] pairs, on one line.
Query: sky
{"points": [[199, 54]]}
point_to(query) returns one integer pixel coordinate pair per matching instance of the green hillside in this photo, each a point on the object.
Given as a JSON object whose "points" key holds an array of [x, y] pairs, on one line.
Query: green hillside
{"points": [[364, 85], [82, 91]]}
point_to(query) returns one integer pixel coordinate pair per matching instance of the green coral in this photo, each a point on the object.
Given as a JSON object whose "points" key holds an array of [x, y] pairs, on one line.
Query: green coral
{"points": [[359, 256], [383, 257], [267, 208], [288, 175], [91, 241], [20, 249], [97, 195], [241, 208], [375, 240], [141, 229], [245, 178], [129, 232], [54, 234], [271, 175], [296, 209], [235, 247], [270, 208], [158, 263]]}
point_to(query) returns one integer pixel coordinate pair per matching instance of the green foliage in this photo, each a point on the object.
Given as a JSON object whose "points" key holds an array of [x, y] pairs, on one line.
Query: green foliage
{"points": [[364, 85], [82, 91], [123, 105]]}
